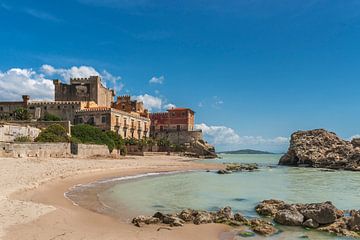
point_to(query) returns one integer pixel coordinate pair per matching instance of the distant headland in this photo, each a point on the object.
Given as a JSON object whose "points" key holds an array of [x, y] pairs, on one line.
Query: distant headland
{"points": [[246, 151]]}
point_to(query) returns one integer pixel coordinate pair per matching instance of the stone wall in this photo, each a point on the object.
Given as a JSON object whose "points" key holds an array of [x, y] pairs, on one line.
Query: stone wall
{"points": [[9, 132], [52, 150], [41, 124], [41, 150], [89, 150], [180, 137]]}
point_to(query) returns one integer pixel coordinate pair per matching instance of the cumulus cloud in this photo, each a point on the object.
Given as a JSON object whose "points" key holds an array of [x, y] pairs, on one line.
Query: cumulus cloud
{"points": [[157, 80], [150, 102], [16, 82], [82, 72], [169, 106], [222, 135]]}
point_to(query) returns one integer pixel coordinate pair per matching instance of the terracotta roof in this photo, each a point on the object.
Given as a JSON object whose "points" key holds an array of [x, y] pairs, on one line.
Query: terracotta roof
{"points": [[179, 109]]}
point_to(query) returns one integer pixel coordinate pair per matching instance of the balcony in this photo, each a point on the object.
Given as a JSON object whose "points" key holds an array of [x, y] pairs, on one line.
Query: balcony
{"points": [[126, 126]]}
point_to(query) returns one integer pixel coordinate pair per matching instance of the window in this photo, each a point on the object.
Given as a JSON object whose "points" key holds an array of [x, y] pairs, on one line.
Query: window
{"points": [[58, 107], [45, 107], [178, 127], [161, 128], [183, 114], [117, 121], [103, 119], [1, 109]]}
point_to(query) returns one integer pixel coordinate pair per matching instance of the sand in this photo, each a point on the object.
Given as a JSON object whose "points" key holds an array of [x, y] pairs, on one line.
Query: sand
{"points": [[33, 206]]}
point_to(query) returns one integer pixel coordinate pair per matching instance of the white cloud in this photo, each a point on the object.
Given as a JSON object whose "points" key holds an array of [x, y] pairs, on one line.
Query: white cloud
{"points": [[16, 82], [169, 106], [150, 102], [82, 72], [355, 136], [157, 80], [67, 73], [225, 136]]}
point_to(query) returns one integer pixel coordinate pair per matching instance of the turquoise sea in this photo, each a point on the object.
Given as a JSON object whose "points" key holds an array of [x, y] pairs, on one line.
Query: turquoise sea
{"points": [[242, 191]]}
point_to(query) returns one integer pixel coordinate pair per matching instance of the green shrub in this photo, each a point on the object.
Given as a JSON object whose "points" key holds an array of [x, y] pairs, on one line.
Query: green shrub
{"points": [[23, 139], [51, 118], [131, 141], [163, 142], [22, 114], [53, 133], [88, 134], [119, 142]]}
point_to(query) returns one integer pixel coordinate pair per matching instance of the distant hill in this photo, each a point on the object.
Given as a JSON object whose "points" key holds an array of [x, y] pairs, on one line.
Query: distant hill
{"points": [[247, 151]]}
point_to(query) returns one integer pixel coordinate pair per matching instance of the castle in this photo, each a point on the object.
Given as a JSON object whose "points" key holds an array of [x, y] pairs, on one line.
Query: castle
{"points": [[86, 100]]}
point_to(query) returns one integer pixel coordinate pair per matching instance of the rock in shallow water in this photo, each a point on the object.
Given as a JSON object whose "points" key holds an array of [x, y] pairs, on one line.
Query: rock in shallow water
{"points": [[322, 149], [289, 217]]}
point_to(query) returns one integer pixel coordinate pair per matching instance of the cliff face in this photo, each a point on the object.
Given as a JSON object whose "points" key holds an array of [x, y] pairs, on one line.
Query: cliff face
{"points": [[322, 149]]}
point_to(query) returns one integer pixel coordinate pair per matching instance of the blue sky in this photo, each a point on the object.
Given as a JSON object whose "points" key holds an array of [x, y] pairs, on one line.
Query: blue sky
{"points": [[253, 70]]}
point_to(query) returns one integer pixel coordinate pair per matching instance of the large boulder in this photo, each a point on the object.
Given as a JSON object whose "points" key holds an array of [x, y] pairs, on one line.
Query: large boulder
{"points": [[322, 213], [269, 207], [289, 217], [320, 148]]}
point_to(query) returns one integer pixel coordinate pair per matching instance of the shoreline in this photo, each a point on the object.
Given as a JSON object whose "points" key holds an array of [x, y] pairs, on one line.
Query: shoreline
{"points": [[58, 218]]}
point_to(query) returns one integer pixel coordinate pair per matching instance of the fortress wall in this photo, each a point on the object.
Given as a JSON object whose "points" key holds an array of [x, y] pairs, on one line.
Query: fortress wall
{"points": [[52, 150], [181, 137]]}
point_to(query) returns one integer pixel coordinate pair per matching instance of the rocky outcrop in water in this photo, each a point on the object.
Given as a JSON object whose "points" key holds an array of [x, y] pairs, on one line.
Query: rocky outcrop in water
{"points": [[322, 149], [238, 167], [223, 216], [321, 216]]}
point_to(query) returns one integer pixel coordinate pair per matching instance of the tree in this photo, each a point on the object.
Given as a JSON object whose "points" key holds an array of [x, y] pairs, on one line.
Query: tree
{"points": [[22, 114], [51, 118], [53, 133], [84, 133]]}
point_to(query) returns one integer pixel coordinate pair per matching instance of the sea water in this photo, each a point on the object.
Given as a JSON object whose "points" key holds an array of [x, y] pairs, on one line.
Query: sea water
{"points": [[242, 191]]}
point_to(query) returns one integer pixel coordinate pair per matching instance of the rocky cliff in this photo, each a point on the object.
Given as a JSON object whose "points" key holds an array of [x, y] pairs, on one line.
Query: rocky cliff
{"points": [[322, 149]]}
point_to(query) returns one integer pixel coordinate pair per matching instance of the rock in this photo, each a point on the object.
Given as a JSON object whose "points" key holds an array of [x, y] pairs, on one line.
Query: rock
{"points": [[311, 224], [263, 227], [322, 149], [339, 228], [353, 222], [240, 218], [142, 220], [202, 217], [186, 215], [223, 171], [269, 207], [322, 213], [289, 217], [225, 213], [173, 221], [159, 215], [238, 167]]}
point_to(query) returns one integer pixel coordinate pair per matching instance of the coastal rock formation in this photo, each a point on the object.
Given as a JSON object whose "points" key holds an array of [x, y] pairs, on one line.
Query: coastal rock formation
{"points": [[238, 167], [223, 216], [322, 216], [322, 149]]}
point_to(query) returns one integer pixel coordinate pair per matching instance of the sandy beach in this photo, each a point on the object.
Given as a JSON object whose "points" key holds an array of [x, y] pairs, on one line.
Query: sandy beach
{"points": [[33, 206]]}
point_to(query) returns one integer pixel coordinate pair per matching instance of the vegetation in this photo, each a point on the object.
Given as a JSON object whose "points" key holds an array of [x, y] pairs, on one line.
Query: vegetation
{"points": [[119, 142], [23, 139], [51, 118], [88, 134], [22, 114], [163, 142], [53, 133]]}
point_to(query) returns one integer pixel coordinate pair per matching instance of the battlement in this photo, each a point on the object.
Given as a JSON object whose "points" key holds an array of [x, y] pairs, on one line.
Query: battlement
{"points": [[54, 102], [159, 114], [85, 80]]}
